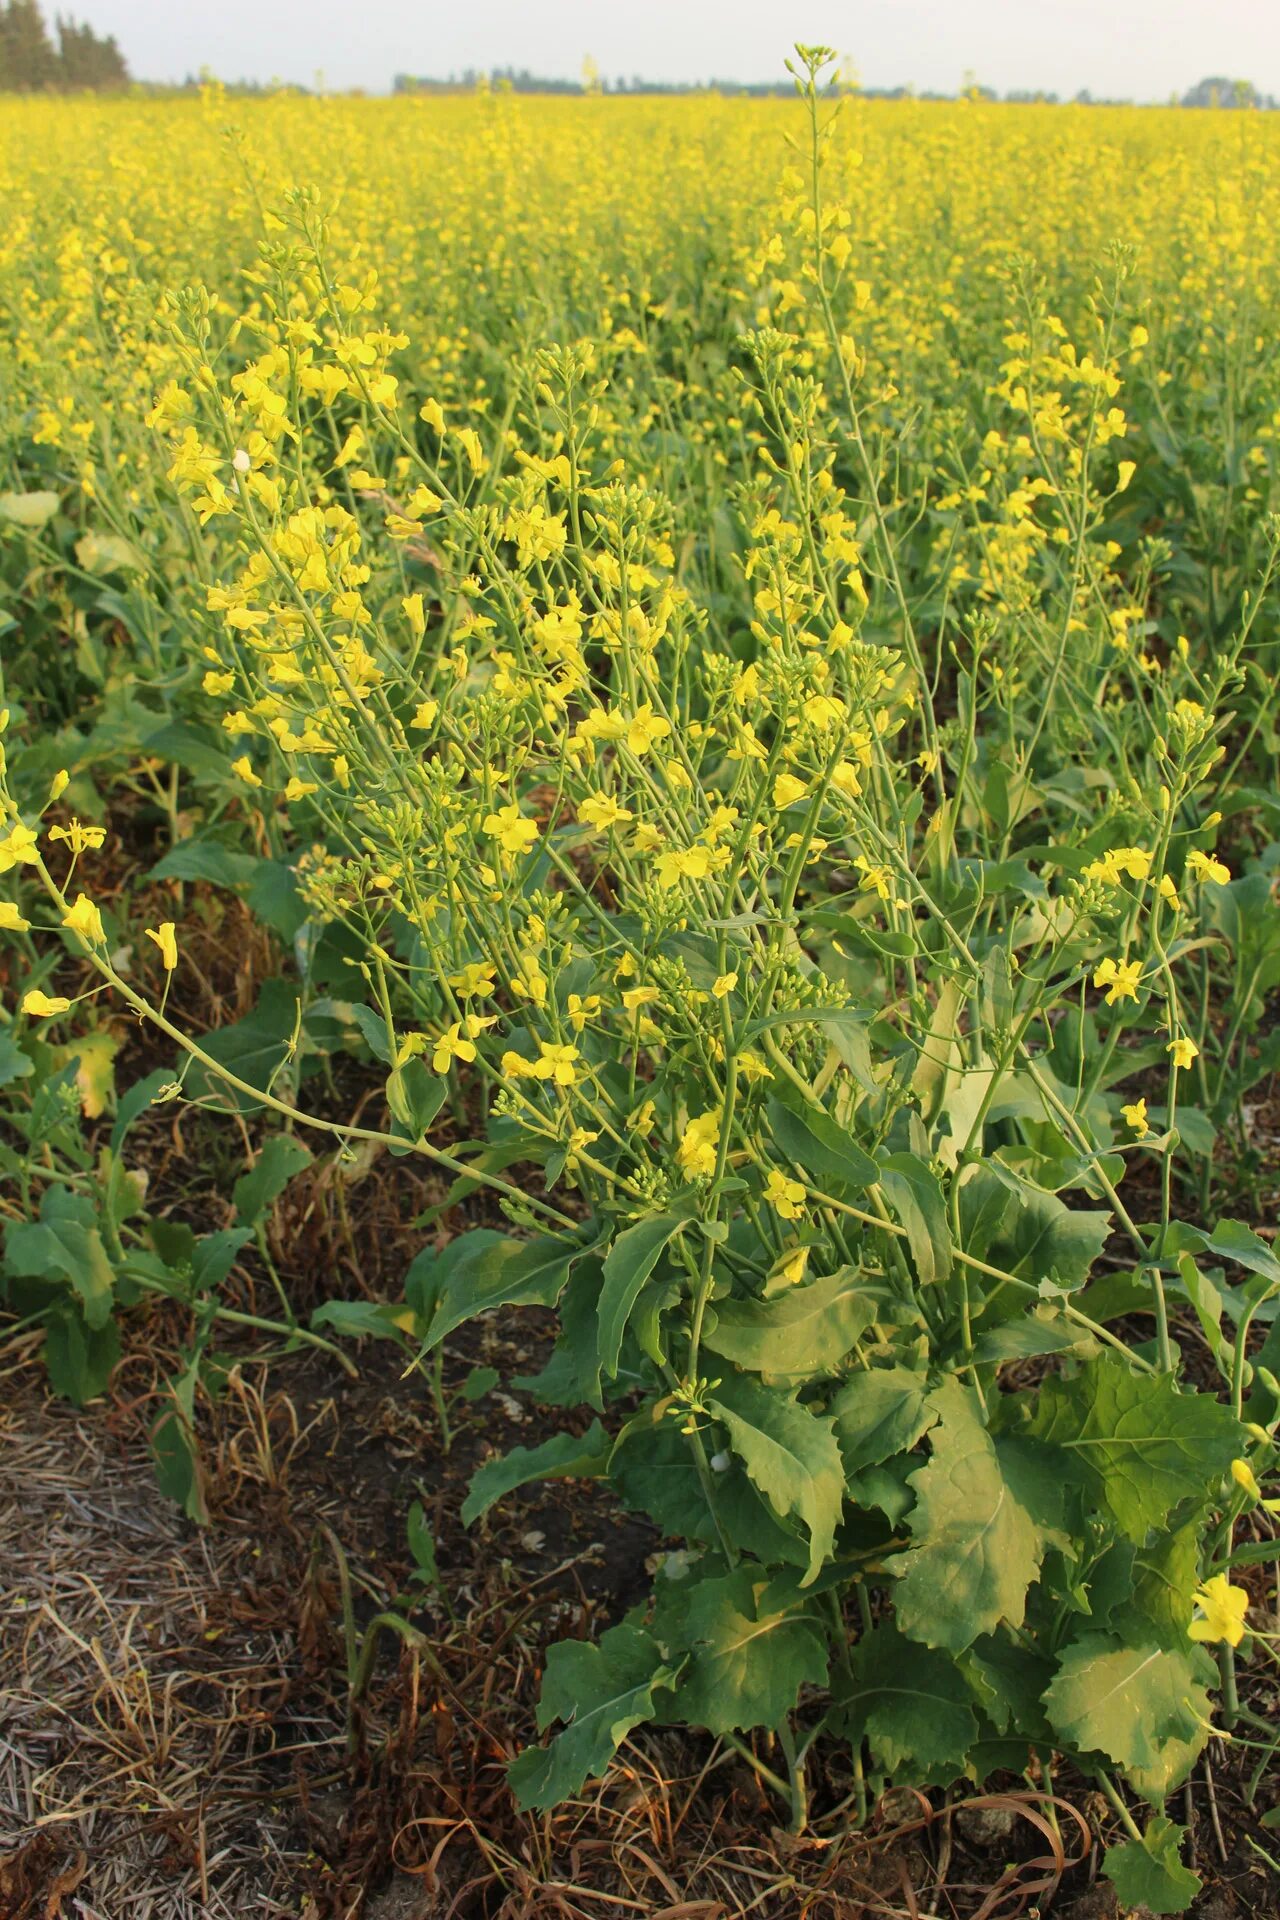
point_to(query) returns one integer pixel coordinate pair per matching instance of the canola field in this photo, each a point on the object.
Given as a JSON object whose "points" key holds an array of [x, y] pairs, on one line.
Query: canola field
{"points": [[730, 647]]}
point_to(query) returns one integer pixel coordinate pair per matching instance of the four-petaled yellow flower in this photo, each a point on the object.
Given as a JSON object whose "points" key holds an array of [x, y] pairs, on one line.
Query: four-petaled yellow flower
{"points": [[510, 829], [1135, 1113], [451, 1046], [1206, 867], [784, 1195], [1121, 978], [11, 921], [166, 938], [1182, 1051], [1220, 1611], [19, 846], [602, 811]]}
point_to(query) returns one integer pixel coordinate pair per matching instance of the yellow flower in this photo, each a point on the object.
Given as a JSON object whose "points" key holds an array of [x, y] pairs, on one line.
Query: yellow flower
{"points": [[451, 1046], [601, 810], [1183, 1051], [1136, 1116], [77, 836], [83, 918], [785, 1196], [165, 937], [699, 1143], [787, 789], [555, 1063], [19, 845], [725, 985], [42, 1004], [645, 728], [1124, 474], [1205, 867], [415, 613], [299, 789], [1220, 1611], [11, 921], [1121, 979], [244, 767], [583, 1007], [58, 785], [510, 829], [475, 977]]}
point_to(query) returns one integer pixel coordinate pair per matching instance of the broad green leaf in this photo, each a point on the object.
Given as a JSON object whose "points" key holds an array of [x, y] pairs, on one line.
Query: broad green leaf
{"points": [[254, 1049], [817, 1144], [804, 1331], [975, 1548], [257, 1191], [64, 1241], [1139, 1445], [14, 1063], [915, 1197], [205, 859], [790, 1454], [653, 1471], [745, 1668], [565, 1456], [415, 1096], [571, 1377], [984, 1198], [880, 1413], [80, 1359], [358, 1320], [601, 1692], [109, 553], [484, 1269], [908, 1704], [1008, 1682], [28, 509], [1045, 1240], [135, 1102], [1149, 1873], [1233, 1240], [629, 1262], [1142, 1707]]}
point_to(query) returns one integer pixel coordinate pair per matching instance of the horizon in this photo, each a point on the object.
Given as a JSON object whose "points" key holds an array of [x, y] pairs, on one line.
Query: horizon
{"points": [[920, 46]]}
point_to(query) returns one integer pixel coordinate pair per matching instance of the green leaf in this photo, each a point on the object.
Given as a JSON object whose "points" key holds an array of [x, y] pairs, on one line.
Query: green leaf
{"points": [[809, 1137], [135, 1102], [65, 1241], [628, 1264], [14, 1063], [653, 1471], [601, 1692], [80, 1360], [805, 1331], [880, 1413], [1233, 1240], [913, 1193], [415, 1096], [790, 1454], [571, 1376], [205, 859], [976, 1549], [1139, 1445], [565, 1456], [1143, 1707], [257, 1191], [175, 1451], [745, 1666], [109, 553], [1149, 1873], [357, 1320], [28, 509], [254, 1049], [1050, 1241], [484, 1269], [422, 1544], [908, 1704]]}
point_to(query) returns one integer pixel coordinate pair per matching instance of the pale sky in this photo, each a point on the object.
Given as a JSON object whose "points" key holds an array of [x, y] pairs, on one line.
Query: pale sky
{"points": [[1140, 49]]}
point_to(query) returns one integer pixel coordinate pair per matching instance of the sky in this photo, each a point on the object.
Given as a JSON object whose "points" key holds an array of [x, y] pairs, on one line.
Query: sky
{"points": [[1134, 49]]}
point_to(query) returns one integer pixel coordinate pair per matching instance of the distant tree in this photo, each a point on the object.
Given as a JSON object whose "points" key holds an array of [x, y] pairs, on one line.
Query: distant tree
{"points": [[1219, 92], [28, 63]]}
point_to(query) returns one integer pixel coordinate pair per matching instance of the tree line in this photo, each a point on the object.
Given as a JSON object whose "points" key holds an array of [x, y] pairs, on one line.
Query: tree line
{"points": [[72, 59]]}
